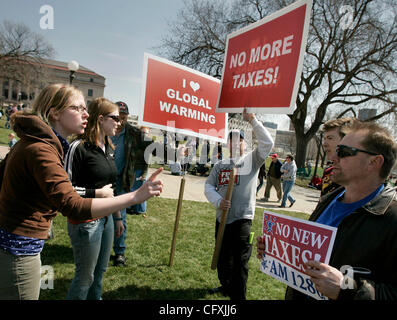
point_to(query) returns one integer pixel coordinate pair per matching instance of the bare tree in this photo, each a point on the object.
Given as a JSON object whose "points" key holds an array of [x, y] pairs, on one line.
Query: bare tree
{"points": [[197, 39], [350, 57], [22, 53]]}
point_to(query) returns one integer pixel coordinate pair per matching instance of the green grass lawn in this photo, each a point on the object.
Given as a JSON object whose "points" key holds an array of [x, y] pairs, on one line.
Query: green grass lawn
{"points": [[147, 274]]}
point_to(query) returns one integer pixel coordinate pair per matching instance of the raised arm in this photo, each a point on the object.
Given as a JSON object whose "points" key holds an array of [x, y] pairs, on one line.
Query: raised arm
{"points": [[265, 140], [104, 206]]}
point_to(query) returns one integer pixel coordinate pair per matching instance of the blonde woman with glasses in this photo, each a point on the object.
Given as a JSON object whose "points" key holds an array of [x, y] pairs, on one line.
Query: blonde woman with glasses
{"points": [[35, 186]]}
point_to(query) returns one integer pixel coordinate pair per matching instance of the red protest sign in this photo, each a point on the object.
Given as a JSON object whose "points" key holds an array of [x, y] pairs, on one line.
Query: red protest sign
{"points": [[291, 242], [263, 62], [180, 99]]}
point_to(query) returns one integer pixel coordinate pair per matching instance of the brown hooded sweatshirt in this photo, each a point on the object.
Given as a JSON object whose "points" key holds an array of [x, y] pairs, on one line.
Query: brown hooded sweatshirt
{"points": [[34, 185]]}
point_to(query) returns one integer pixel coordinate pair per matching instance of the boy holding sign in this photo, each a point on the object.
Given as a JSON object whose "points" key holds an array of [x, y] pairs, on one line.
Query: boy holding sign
{"points": [[236, 247]]}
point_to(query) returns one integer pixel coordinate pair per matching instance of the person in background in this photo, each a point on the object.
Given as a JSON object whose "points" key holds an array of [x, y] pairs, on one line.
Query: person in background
{"points": [[316, 182], [165, 145], [92, 167], [184, 158], [261, 176], [273, 178], [34, 168], [333, 132], [10, 110], [141, 172], [236, 246], [288, 177], [309, 169], [130, 144], [204, 159], [191, 147], [217, 153], [176, 168], [12, 140]]}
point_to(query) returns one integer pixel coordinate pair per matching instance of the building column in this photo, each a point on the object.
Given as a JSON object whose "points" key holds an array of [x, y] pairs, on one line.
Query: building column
{"points": [[19, 93], [10, 85]]}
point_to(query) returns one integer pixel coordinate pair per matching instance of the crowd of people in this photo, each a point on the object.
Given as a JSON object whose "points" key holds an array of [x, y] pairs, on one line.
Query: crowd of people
{"points": [[282, 177], [88, 164]]}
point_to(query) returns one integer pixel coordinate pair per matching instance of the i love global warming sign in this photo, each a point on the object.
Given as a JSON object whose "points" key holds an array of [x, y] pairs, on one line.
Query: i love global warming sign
{"points": [[178, 99]]}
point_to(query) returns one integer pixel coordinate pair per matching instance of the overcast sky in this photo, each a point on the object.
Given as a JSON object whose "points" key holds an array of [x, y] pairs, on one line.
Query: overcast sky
{"points": [[109, 37], [106, 36]]}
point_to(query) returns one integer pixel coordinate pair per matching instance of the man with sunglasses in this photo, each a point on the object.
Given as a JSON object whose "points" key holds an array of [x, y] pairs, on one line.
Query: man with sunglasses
{"points": [[364, 210], [130, 143]]}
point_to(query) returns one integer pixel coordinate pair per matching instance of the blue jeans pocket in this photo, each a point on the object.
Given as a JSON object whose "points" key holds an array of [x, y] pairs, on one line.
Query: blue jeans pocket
{"points": [[83, 233]]}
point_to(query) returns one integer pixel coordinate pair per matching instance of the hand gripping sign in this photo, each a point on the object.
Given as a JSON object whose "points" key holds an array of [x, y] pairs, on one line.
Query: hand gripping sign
{"points": [[263, 62], [291, 242], [181, 100], [221, 230]]}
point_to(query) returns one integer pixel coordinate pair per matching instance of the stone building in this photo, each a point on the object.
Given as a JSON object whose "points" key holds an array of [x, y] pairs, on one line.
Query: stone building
{"points": [[23, 86]]}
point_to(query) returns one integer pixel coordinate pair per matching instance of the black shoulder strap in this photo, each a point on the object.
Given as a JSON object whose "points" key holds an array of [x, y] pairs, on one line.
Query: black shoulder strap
{"points": [[69, 158]]}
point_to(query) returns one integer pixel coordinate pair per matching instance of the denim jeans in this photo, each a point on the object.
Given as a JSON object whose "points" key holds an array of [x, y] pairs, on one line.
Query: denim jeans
{"points": [[119, 243], [19, 276], [92, 244], [140, 207], [287, 187]]}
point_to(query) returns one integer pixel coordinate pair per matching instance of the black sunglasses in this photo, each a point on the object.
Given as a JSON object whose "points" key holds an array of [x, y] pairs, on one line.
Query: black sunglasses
{"points": [[345, 151], [115, 118]]}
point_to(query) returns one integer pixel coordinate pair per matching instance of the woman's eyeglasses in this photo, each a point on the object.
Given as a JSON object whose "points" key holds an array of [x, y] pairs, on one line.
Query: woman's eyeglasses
{"points": [[80, 109], [115, 118], [345, 151]]}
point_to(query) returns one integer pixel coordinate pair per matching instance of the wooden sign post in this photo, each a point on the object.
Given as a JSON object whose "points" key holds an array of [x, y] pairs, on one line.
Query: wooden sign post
{"points": [[221, 229], [178, 214]]}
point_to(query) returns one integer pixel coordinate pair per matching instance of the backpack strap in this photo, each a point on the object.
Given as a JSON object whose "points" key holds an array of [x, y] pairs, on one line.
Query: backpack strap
{"points": [[69, 158]]}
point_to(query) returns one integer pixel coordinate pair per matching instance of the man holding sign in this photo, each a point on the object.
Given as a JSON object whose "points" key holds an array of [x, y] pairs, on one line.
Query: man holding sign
{"points": [[364, 210], [236, 247]]}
